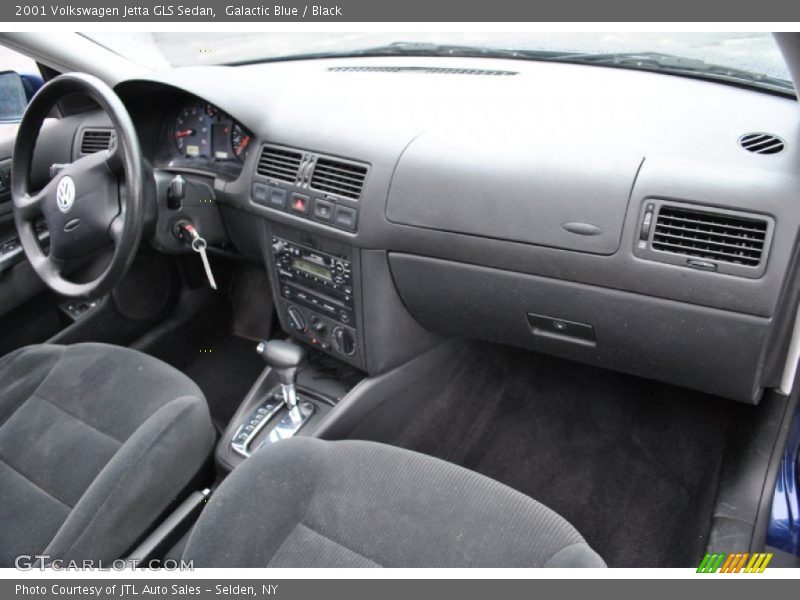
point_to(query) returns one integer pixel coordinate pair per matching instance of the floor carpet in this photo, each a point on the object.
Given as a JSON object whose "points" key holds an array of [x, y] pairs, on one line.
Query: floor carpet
{"points": [[222, 364], [631, 463]]}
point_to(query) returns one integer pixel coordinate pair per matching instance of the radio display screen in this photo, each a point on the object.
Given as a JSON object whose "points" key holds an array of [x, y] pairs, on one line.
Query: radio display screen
{"points": [[311, 268]]}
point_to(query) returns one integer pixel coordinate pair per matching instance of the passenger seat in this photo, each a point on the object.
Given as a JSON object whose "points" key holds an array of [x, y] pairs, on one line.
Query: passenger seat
{"points": [[305, 502]]}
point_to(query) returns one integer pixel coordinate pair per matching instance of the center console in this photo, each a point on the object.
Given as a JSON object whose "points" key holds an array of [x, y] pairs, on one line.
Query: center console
{"points": [[335, 301], [317, 291]]}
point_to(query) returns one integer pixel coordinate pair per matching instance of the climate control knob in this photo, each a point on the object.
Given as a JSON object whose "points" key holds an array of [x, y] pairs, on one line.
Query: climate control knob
{"points": [[318, 327], [343, 341], [296, 319]]}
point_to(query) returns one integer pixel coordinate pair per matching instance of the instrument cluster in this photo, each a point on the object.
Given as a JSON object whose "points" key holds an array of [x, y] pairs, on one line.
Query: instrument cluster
{"points": [[203, 137]]}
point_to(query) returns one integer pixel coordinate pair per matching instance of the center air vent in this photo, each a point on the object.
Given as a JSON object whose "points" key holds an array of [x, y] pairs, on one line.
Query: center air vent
{"points": [[279, 163], [96, 140], [424, 70], [710, 236], [338, 177], [762, 143]]}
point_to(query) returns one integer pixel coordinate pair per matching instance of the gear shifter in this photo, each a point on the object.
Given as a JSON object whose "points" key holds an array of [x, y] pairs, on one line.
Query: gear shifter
{"points": [[285, 359], [268, 415]]}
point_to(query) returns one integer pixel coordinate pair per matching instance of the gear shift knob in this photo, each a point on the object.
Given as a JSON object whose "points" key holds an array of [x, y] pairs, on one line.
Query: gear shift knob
{"points": [[285, 359]]}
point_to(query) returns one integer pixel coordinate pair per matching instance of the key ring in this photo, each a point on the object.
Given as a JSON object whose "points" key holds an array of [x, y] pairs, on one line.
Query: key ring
{"points": [[198, 244]]}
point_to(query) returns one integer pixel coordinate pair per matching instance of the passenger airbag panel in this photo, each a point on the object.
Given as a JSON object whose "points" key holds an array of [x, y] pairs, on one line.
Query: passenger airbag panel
{"points": [[561, 193]]}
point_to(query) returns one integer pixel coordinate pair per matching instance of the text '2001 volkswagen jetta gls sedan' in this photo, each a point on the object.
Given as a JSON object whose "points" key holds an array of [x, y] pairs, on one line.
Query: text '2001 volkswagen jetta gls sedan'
{"points": [[454, 300]]}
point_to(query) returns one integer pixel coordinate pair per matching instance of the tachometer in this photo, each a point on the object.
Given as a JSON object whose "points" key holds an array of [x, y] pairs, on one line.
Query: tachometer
{"points": [[240, 139], [192, 133]]}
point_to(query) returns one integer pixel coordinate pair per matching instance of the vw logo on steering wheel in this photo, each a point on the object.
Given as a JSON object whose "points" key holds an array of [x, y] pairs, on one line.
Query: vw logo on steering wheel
{"points": [[65, 193]]}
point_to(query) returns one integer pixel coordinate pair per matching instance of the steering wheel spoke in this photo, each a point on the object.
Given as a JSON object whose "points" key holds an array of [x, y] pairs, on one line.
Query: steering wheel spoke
{"points": [[115, 160], [29, 206]]}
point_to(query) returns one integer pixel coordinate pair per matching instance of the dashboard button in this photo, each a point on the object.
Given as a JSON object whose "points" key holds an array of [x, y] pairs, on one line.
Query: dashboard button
{"points": [[299, 204], [323, 210], [346, 217], [277, 198], [260, 193]]}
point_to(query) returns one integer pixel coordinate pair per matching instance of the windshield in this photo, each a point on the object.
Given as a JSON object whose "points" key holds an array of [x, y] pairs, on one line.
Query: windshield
{"points": [[754, 54]]}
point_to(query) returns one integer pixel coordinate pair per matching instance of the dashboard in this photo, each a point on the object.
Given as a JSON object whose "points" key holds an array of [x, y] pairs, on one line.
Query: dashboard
{"points": [[613, 217]]}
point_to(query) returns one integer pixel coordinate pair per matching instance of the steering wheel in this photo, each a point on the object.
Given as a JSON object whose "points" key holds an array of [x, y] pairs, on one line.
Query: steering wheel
{"points": [[93, 203]]}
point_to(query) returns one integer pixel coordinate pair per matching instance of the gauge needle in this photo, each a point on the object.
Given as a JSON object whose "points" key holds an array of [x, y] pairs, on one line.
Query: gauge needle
{"points": [[243, 144], [184, 133]]}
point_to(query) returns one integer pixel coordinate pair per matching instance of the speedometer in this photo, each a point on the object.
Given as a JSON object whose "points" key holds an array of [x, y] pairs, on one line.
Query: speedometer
{"points": [[192, 133]]}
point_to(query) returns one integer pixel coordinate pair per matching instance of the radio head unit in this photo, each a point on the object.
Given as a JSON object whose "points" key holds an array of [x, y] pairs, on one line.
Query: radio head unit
{"points": [[330, 275]]}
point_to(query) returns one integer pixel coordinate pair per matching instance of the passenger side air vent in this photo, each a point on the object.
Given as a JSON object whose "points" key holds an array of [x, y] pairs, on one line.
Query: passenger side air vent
{"points": [[96, 140], [762, 143], [425, 70], [709, 236], [339, 178], [279, 163]]}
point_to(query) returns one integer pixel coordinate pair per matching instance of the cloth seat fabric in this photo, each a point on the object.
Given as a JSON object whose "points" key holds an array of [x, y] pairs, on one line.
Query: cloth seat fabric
{"points": [[96, 442], [305, 502]]}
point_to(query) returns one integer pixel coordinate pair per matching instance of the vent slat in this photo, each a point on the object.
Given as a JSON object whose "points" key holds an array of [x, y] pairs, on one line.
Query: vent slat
{"points": [[711, 226], [286, 169], [701, 243], [279, 161], [712, 236], [333, 179], [279, 164], [339, 178], [708, 254], [335, 188], [356, 178]]}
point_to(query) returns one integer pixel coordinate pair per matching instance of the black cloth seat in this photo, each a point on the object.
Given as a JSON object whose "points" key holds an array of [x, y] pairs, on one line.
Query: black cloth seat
{"points": [[304, 502], [96, 441]]}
